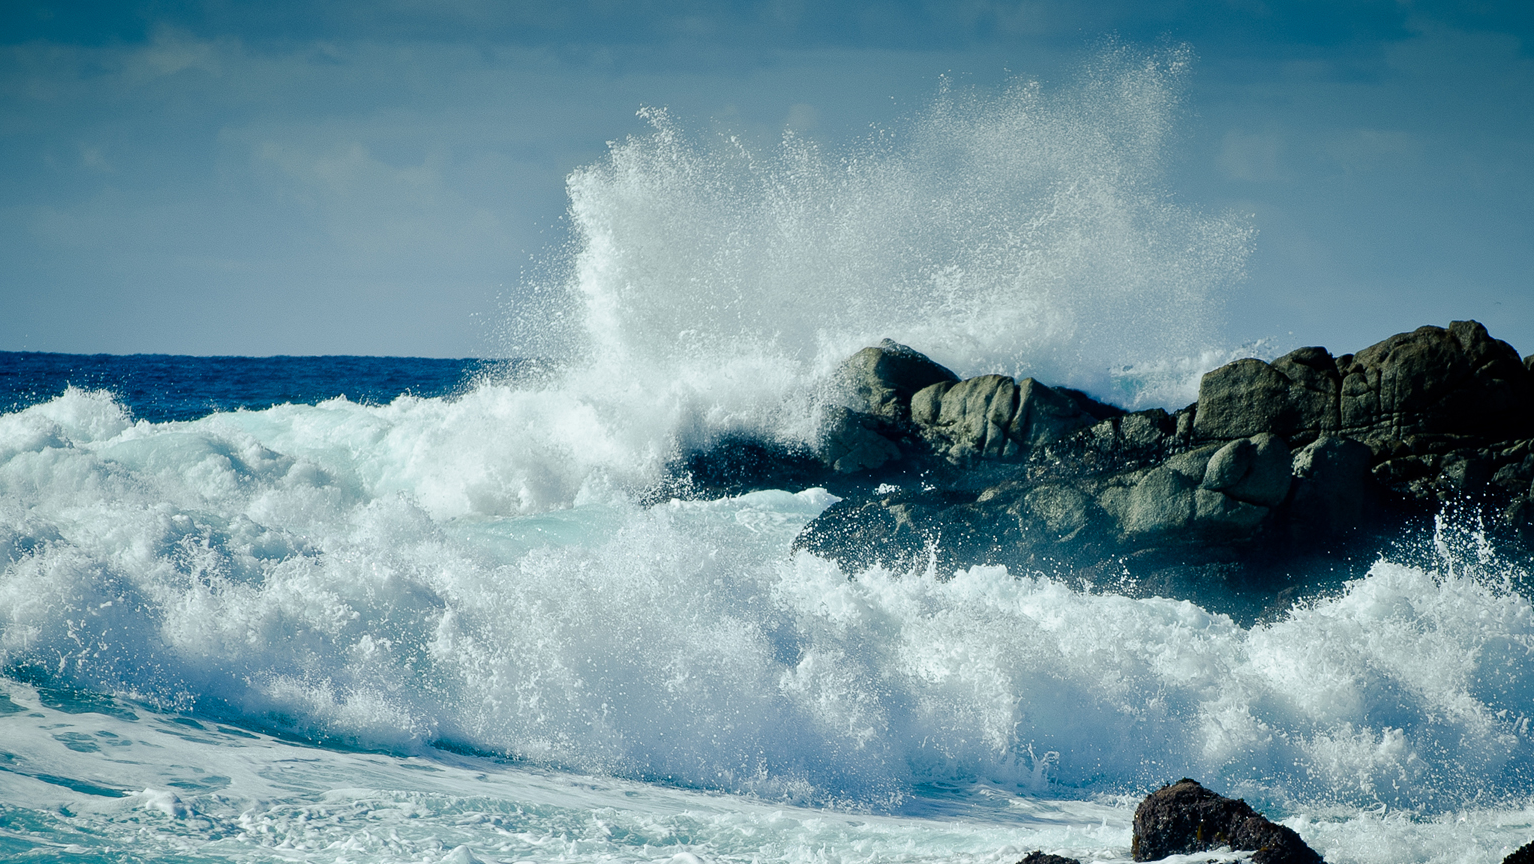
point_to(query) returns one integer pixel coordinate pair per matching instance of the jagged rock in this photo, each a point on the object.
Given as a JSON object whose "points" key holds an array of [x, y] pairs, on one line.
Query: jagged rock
{"points": [[1516, 470], [1040, 857], [858, 535], [851, 441], [1523, 854], [1331, 486], [1062, 509], [882, 379], [1314, 388], [1145, 431], [1465, 473], [1184, 818], [1519, 516], [972, 418]]}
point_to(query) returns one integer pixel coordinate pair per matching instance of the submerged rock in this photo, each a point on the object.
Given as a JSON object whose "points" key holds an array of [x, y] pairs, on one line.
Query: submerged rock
{"points": [[1040, 857], [1184, 817]]}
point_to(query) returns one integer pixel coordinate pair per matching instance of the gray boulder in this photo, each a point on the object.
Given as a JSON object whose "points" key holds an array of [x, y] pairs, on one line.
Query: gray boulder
{"points": [[995, 417], [971, 418], [1431, 382], [1216, 490], [882, 379], [1435, 382], [1241, 399], [1294, 396], [1255, 470]]}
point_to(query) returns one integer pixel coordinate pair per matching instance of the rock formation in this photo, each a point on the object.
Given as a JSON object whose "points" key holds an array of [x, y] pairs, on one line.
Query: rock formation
{"points": [[1040, 857], [1302, 456], [1184, 817], [1522, 855]]}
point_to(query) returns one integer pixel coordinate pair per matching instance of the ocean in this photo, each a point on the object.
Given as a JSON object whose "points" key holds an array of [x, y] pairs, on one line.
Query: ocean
{"points": [[390, 609]]}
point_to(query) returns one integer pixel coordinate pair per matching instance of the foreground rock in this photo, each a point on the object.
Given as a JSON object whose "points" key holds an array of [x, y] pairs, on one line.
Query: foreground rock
{"points": [[1522, 855], [1279, 468], [1184, 818], [1039, 857]]}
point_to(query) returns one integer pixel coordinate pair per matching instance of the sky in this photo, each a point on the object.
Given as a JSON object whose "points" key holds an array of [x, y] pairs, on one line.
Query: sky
{"points": [[376, 178]]}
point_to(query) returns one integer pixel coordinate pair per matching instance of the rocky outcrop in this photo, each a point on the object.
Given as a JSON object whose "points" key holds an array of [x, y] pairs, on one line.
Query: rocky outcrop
{"points": [[1420, 391], [1184, 817], [1040, 857], [1523, 854], [1309, 455]]}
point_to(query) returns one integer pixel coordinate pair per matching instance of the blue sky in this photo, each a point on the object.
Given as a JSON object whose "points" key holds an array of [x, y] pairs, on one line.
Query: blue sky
{"points": [[373, 178]]}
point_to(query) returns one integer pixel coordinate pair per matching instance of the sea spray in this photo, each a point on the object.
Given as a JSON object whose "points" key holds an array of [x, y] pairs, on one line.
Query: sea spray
{"points": [[1025, 231]]}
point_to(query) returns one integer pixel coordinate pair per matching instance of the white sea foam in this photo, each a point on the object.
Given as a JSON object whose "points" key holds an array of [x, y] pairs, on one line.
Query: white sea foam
{"points": [[271, 567]]}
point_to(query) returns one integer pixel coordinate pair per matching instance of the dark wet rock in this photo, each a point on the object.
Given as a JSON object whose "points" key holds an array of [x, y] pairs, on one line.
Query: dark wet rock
{"points": [[1310, 456], [881, 380], [1434, 382], [1522, 855], [1332, 487], [1184, 818], [1040, 857], [736, 465], [852, 441]]}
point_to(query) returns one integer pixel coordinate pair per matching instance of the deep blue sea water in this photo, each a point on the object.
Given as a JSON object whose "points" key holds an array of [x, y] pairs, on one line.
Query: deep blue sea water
{"points": [[161, 387]]}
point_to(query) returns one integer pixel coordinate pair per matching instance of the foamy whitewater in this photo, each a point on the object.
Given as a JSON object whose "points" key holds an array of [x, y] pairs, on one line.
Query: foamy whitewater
{"points": [[445, 629]]}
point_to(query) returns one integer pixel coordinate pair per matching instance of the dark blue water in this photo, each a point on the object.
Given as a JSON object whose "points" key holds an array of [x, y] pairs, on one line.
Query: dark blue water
{"points": [[163, 387]]}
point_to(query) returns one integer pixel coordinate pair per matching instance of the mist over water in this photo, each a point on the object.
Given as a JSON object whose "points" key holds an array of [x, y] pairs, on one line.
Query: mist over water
{"points": [[474, 572]]}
